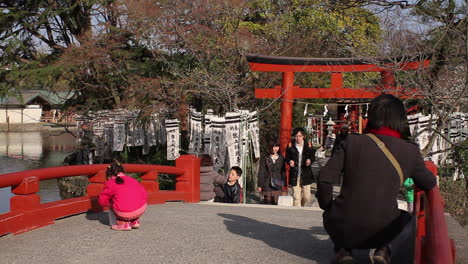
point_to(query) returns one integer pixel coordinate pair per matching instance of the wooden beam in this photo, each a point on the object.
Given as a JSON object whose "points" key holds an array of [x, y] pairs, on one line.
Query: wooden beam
{"points": [[341, 93], [262, 67]]}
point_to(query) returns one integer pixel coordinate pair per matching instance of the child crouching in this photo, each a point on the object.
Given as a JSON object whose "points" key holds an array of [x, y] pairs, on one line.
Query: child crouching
{"points": [[126, 198]]}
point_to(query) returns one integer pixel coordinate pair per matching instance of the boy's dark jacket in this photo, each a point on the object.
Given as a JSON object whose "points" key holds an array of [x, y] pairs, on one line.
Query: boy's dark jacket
{"points": [[306, 173], [232, 193]]}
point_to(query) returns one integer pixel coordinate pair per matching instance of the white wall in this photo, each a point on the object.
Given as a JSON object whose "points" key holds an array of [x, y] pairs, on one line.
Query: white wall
{"points": [[2, 116], [31, 114]]}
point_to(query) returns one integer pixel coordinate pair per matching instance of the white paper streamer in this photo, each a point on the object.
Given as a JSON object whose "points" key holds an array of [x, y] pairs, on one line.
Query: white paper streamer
{"points": [[217, 142], [207, 134], [108, 138], [254, 134], [232, 126], [196, 135], [172, 132], [119, 134]]}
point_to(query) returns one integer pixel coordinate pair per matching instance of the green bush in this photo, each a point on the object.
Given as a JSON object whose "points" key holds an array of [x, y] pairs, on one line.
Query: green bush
{"points": [[455, 198], [454, 192]]}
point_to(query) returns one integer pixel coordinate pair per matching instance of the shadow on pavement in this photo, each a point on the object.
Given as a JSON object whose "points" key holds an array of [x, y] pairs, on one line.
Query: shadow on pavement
{"points": [[300, 242], [102, 217]]}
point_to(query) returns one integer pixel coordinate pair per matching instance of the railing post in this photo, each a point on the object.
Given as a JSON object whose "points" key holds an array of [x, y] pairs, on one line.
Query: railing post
{"points": [[96, 184], [150, 181], [26, 198], [95, 187], [437, 247], [28, 204], [420, 224], [190, 181]]}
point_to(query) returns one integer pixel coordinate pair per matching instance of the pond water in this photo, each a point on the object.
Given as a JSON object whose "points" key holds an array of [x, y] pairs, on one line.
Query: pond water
{"points": [[21, 151]]}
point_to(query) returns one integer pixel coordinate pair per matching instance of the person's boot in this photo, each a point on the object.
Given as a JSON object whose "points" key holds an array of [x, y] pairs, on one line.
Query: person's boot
{"points": [[121, 226], [382, 256], [343, 256], [124, 227], [135, 224]]}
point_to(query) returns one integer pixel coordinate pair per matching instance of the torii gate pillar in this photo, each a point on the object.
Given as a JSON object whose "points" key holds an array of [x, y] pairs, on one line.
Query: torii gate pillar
{"points": [[286, 110]]}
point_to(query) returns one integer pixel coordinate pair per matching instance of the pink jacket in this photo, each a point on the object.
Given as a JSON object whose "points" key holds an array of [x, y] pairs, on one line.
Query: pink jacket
{"points": [[126, 197]]}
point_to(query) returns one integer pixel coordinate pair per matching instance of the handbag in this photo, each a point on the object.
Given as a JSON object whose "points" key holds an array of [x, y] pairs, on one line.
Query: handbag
{"points": [[402, 245], [276, 184]]}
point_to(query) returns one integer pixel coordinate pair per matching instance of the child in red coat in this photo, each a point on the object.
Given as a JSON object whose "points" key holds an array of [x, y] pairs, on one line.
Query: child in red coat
{"points": [[125, 196]]}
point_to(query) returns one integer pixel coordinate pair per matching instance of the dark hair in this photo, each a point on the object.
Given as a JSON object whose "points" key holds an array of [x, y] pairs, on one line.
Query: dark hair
{"points": [[389, 111], [294, 133], [344, 130], [113, 170], [237, 169], [206, 160], [271, 145], [297, 130]]}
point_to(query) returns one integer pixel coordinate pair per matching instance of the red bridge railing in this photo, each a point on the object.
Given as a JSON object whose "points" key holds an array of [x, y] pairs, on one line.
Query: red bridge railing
{"points": [[27, 212], [433, 244]]}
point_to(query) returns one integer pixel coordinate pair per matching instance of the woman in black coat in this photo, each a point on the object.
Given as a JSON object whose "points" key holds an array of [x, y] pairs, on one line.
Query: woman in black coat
{"points": [[366, 214], [271, 175]]}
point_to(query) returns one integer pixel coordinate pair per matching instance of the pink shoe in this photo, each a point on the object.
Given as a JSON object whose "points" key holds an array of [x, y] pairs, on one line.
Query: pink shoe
{"points": [[124, 227], [135, 224]]}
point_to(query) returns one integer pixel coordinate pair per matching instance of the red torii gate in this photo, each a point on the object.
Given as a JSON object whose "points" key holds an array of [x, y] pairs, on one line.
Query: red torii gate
{"points": [[336, 66]]}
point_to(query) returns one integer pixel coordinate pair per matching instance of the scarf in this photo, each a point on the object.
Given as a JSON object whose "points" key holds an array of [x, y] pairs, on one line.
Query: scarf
{"points": [[386, 131]]}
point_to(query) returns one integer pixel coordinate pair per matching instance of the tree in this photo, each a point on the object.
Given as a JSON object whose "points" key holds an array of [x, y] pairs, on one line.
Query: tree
{"points": [[34, 34], [443, 40]]}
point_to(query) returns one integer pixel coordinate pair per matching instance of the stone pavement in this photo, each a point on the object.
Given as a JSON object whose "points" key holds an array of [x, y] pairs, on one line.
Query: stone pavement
{"points": [[459, 235], [179, 233], [188, 233]]}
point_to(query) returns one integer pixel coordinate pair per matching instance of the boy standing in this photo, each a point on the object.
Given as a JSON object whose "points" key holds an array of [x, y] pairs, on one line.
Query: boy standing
{"points": [[232, 189], [300, 156]]}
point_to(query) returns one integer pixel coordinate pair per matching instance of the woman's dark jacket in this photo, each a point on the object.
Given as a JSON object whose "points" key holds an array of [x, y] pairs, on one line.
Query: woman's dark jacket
{"points": [[306, 173], [368, 199], [269, 169]]}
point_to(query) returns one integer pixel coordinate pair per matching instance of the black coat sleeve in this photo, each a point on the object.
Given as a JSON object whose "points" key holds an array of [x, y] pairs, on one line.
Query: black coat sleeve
{"points": [[283, 171], [288, 156], [311, 154], [423, 178], [329, 172], [237, 194]]}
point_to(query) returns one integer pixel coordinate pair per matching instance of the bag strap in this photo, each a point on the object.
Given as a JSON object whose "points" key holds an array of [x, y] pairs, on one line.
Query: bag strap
{"points": [[389, 155]]}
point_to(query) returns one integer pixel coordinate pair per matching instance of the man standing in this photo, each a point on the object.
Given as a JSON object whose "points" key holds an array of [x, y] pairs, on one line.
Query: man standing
{"points": [[299, 156]]}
